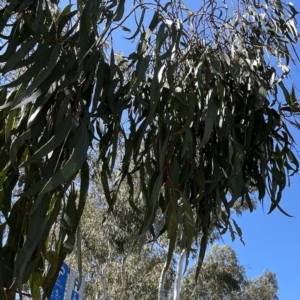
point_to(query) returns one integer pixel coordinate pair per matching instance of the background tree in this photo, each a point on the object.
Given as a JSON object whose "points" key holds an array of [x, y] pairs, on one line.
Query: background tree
{"points": [[205, 125], [263, 287], [222, 277]]}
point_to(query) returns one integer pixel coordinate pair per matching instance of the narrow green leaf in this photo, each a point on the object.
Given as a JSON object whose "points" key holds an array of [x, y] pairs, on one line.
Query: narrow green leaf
{"points": [[102, 72], [55, 141], [84, 187], [6, 191], [26, 77], [35, 232], [73, 164], [203, 246], [119, 11], [9, 124], [38, 65], [210, 116], [104, 181], [70, 212], [172, 244], [39, 15], [153, 196], [261, 96], [232, 234], [139, 26], [79, 256], [64, 12], [36, 55], [63, 20], [62, 110], [238, 230], [285, 93], [86, 20], [192, 103], [16, 145], [293, 99], [141, 71], [249, 130], [2, 228], [20, 54], [172, 217], [189, 223], [3, 95], [131, 193]]}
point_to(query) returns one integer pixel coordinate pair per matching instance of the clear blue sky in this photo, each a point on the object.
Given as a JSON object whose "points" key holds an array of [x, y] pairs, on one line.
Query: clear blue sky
{"points": [[271, 241]]}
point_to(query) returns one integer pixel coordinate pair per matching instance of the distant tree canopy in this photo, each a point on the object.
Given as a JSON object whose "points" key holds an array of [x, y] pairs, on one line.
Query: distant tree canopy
{"points": [[198, 113], [222, 277]]}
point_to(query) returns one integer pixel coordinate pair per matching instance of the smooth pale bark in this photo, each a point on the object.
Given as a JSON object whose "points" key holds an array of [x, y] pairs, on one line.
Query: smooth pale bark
{"points": [[161, 284], [123, 277], [177, 285], [103, 275], [104, 283]]}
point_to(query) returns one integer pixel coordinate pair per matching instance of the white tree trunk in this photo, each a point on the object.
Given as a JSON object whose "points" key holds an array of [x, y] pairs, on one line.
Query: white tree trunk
{"points": [[123, 277], [177, 285], [161, 284], [104, 283]]}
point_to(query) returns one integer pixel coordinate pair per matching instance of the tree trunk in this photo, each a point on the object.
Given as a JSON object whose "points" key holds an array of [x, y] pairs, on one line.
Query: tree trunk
{"points": [[161, 284], [123, 274], [177, 284], [104, 283]]}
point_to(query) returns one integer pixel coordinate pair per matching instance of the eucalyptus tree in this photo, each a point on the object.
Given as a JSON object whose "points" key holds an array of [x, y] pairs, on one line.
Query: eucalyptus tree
{"points": [[264, 287], [222, 277], [206, 125]]}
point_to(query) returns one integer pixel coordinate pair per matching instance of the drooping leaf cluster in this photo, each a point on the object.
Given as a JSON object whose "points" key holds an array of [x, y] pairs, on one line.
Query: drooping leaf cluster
{"points": [[205, 125], [113, 263]]}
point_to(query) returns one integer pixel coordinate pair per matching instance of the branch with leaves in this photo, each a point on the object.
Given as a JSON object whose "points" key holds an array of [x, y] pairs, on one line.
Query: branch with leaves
{"points": [[205, 124]]}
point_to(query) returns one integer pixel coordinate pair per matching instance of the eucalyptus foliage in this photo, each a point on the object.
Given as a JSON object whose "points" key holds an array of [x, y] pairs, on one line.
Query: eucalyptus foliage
{"points": [[114, 266], [205, 125]]}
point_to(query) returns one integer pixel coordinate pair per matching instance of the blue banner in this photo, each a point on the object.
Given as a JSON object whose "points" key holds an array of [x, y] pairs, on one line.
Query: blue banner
{"points": [[58, 292]]}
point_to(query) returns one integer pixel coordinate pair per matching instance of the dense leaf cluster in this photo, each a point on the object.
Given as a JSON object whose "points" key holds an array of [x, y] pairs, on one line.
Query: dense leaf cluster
{"points": [[205, 125]]}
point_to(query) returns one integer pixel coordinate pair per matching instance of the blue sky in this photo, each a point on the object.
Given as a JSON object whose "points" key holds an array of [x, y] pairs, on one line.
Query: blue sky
{"points": [[271, 241]]}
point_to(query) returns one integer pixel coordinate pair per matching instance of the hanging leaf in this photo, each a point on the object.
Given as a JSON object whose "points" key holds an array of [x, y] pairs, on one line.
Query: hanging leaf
{"points": [[73, 164]]}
